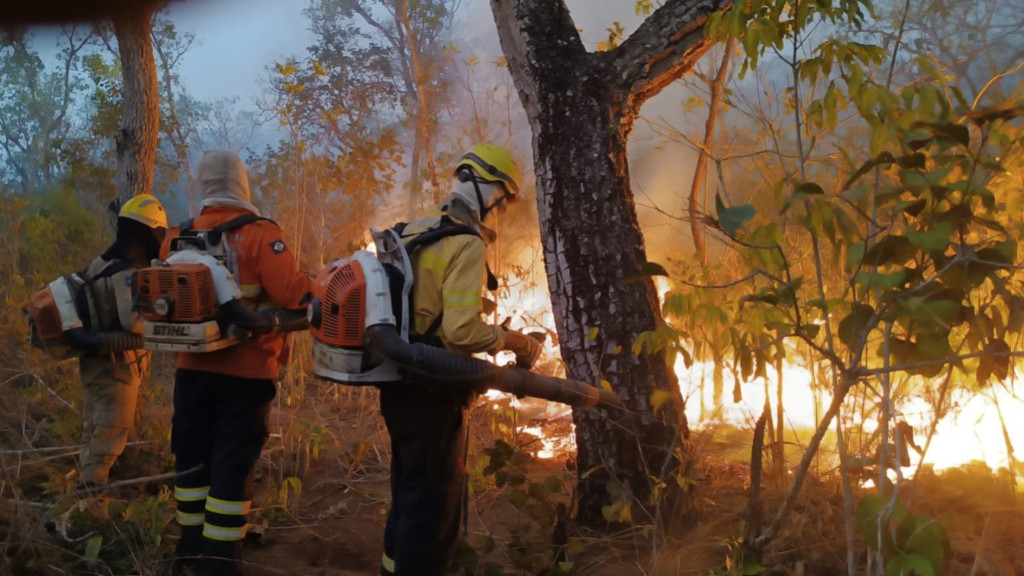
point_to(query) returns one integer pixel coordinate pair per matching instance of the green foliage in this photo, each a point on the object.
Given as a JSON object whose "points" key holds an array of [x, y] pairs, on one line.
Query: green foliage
{"points": [[910, 544], [880, 242], [735, 562], [936, 244], [732, 218], [541, 507], [58, 234], [762, 25]]}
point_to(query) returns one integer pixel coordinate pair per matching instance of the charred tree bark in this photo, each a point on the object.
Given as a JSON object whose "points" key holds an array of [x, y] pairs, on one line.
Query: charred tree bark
{"points": [[755, 507], [137, 138], [581, 108]]}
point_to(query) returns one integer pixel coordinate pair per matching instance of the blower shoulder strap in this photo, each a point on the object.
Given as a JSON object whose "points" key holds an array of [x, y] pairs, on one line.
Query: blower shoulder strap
{"points": [[233, 224], [215, 233], [445, 228], [236, 223], [114, 267]]}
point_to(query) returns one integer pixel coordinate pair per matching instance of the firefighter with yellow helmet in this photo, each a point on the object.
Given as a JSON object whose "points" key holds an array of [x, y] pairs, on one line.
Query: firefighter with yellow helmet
{"points": [[428, 424], [113, 363]]}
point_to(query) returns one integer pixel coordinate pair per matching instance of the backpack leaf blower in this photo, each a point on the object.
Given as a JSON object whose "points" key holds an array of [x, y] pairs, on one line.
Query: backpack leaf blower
{"points": [[358, 340], [55, 310], [190, 302]]}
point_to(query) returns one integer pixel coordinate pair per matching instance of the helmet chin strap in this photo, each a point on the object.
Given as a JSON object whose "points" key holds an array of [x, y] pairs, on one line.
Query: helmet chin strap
{"points": [[484, 209], [481, 206]]}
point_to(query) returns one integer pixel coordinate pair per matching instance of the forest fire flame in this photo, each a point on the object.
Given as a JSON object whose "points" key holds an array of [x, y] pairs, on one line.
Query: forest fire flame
{"points": [[973, 430]]}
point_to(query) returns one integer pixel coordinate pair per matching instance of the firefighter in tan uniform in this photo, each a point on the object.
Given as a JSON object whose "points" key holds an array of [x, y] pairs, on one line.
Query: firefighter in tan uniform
{"points": [[222, 398], [428, 424], [114, 364]]}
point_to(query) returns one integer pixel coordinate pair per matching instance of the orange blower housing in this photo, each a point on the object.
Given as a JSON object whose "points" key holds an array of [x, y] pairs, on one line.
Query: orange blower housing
{"points": [[349, 297], [182, 293], [340, 317], [53, 310], [178, 303]]}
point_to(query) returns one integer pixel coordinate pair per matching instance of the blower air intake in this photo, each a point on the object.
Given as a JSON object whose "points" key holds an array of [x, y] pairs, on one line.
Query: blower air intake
{"points": [[191, 303], [341, 324], [182, 293], [180, 301]]}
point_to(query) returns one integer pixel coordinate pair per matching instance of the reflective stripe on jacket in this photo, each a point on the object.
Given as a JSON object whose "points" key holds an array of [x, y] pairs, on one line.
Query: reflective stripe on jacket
{"points": [[449, 278], [268, 276]]}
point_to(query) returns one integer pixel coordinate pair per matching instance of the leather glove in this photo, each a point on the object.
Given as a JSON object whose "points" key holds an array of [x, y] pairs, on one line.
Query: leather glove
{"points": [[526, 349]]}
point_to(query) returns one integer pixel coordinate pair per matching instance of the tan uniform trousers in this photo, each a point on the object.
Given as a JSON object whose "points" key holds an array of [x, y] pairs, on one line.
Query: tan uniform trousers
{"points": [[110, 392]]}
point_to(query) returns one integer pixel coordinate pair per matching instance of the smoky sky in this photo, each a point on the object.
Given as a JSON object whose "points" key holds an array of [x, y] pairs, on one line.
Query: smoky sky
{"points": [[237, 39]]}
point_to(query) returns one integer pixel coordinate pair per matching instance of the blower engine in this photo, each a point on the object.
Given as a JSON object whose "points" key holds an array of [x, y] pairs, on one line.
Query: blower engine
{"points": [[191, 301], [186, 300], [179, 300], [55, 310], [358, 340]]}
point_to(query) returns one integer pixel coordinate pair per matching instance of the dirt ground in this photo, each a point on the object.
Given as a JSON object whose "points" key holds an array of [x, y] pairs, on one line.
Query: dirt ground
{"points": [[335, 526], [322, 494]]}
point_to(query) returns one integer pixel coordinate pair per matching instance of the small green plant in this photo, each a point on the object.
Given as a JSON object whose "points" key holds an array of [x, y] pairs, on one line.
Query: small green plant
{"points": [[290, 490], [537, 543], [909, 544], [736, 563]]}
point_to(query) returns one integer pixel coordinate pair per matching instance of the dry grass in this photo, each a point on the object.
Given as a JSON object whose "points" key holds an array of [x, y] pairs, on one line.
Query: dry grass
{"points": [[333, 440]]}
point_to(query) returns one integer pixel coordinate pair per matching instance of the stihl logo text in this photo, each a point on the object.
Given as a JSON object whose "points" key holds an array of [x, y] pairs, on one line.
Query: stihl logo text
{"points": [[169, 330]]}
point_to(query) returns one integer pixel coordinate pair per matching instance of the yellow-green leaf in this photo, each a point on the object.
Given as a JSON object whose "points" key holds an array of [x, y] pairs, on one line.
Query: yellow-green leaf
{"points": [[92, 548], [658, 399]]}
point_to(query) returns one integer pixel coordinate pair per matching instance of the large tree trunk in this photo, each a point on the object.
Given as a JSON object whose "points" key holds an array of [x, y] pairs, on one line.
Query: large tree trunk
{"points": [[136, 141], [581, 108]]}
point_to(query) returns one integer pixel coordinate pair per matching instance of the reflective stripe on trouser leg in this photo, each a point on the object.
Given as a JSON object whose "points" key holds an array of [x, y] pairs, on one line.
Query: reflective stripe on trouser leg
{"points": [[387, 564], [226, 519], [191, 504]]}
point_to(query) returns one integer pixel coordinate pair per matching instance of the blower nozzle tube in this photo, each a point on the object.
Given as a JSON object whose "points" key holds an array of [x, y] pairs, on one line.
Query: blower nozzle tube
{"points": [[93, 343], [572, 392], [439, 366]]}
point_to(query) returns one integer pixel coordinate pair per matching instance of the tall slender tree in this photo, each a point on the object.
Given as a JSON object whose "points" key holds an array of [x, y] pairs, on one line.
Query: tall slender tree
{"points": [[582, 106], [34, 105], [410, 37], [137, 138], [178, 125]]}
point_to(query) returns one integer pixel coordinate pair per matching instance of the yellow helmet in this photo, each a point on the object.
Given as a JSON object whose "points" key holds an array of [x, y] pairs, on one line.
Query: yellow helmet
{"points": [[492, 164], [145, 208]]}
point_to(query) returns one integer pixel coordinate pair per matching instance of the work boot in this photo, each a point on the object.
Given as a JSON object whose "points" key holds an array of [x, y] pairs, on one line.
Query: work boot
{"points": [[188, 550], [185, 567], [221, 559]]}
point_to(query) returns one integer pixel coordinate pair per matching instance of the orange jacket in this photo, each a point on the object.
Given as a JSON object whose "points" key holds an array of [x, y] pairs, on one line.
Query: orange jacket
{"points": [[268, 276]]}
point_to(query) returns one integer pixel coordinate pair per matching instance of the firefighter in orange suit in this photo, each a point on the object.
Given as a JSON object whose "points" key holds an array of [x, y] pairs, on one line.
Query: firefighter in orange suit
{"points": [[114, 367], [428, 424], [222, 398]]}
